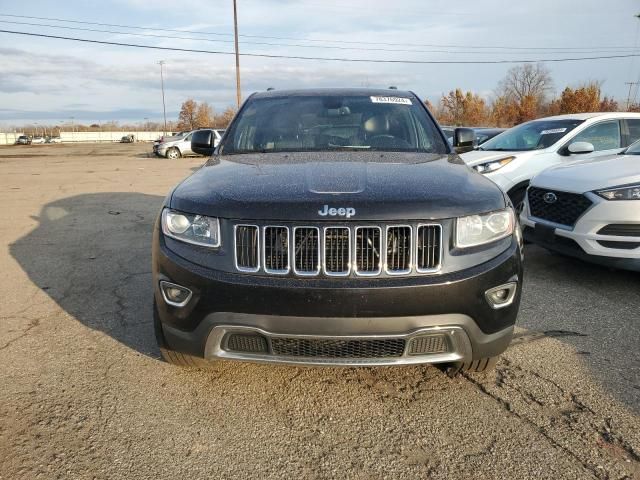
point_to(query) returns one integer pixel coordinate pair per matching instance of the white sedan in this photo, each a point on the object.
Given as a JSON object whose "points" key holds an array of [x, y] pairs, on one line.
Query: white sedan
{"points": [[589, 210]]}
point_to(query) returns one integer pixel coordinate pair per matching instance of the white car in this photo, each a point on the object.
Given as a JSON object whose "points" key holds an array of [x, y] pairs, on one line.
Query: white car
{"points": [[37, 139], [589, 210], [514, 157]]}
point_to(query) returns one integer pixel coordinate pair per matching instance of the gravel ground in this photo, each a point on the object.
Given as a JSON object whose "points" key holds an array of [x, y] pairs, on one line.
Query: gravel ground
{"points": [[83, 393]]}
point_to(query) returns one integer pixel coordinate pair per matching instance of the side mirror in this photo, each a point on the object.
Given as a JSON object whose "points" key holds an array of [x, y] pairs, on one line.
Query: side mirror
{"points": [[580, 147], [463, 140], [202, 142]]}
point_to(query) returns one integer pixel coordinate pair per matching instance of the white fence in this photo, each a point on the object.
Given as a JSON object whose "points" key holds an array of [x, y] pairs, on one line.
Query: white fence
{"points": [[96, 137], [89, 137]]}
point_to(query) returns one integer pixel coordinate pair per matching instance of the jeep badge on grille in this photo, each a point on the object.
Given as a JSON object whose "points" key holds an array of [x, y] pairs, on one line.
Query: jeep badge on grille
{"points": [[341, 212]]}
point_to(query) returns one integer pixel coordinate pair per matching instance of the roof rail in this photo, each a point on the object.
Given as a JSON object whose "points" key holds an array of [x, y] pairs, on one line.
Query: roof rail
{"points": [[393, 87]]}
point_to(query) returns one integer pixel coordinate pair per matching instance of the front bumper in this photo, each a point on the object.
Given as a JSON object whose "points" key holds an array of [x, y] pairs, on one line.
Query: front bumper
{"points": [[338, 310], [583, 240]]}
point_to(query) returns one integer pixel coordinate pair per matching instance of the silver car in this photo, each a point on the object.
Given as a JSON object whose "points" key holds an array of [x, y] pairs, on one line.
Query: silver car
{"points": [[180, 146]]}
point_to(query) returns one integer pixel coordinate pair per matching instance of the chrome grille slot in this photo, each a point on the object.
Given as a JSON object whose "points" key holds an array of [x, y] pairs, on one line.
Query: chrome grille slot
{"points": [[398, 250], [337, 251], [306, 250], [428, 248], [368, 243], [276, 250], [247, 248]]}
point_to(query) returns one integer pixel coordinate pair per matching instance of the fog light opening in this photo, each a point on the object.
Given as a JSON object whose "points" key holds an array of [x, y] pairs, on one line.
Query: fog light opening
{"points": [[175, 295], [501, 296]]}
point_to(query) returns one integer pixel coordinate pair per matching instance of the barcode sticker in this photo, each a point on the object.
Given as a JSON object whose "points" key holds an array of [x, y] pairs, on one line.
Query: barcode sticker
{"points": [[553, 130], [394, 100]]}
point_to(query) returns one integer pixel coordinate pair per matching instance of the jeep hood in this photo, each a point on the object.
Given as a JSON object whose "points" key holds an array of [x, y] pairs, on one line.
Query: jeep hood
{"points": [[594, 174], [295, 186]]}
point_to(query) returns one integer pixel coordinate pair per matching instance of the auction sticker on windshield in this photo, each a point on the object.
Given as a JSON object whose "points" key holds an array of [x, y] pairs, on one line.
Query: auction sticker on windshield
{"points": [[395, 100], [553, 130]]}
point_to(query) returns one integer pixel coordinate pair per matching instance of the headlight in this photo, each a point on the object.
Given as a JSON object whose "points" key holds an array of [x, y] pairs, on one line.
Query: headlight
{"points": [[196, 229], [631, 192], [480, 229], [493, 165]]}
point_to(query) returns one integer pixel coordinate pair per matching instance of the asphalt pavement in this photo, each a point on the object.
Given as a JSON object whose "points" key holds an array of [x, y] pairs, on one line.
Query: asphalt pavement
{"points": [[84, 394]]}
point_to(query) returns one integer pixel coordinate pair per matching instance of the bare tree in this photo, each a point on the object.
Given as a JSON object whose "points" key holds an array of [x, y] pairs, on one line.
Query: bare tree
{"points": [[528, 81]]}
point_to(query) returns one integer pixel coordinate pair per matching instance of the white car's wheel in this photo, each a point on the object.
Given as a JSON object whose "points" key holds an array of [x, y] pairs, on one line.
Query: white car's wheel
{"points": [[173, 153]]}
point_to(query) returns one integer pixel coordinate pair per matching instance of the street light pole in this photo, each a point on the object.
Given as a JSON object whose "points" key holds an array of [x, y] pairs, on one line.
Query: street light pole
{"points": [[164, 108], [235, 31]]}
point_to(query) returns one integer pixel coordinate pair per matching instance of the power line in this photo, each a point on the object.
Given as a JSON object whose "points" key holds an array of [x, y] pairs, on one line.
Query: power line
{"points": [[474, 47], [151, 35], [332, 59]]}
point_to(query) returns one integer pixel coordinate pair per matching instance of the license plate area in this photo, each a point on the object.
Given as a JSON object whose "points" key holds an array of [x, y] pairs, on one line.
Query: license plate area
{"points": [[544, 233]]}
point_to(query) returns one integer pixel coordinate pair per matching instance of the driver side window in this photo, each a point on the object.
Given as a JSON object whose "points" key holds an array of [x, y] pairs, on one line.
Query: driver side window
{"points": [[603, 136]]}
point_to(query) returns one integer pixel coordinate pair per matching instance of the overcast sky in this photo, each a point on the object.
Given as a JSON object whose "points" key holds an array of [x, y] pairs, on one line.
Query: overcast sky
{"points": [[49, 81]]}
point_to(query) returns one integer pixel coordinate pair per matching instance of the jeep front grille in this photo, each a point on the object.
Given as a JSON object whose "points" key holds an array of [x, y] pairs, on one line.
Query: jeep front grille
{"points": [[339, 250], [428, 247], [398, 250], [247, 248], [368, 240], [276, 250], [306, 250]]}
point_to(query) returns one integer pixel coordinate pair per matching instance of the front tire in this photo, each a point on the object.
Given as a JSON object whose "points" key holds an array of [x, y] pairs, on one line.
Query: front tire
{"points": [[171, 356], [173, 153], [481, 365]]}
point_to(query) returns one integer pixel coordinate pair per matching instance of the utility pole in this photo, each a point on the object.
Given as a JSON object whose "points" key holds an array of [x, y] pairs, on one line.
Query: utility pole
{"points": [[631, 84], [235, 31], [164, 108]]}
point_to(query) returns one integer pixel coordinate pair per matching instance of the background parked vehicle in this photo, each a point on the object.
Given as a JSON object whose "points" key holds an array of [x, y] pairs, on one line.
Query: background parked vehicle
{"points": [[128, 139], [38, 139], [180, 146], [589, 210], [23, 140], [514, 157]]}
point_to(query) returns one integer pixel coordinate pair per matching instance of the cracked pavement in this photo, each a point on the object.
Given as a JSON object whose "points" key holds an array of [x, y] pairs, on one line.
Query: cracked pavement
{"points": [[84, 395]]}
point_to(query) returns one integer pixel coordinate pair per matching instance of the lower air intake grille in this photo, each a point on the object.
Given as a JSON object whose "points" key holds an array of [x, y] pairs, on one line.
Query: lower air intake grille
{"points": [[296, 347], [337, 248], [621, 229], [306, 248], [247, 248], [368, 250], [559, 207], [428, 247], [428, 344], [276, 249], [247, 343]]}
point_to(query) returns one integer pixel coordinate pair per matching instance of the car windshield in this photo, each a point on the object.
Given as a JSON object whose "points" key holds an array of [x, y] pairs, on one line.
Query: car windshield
{"points": [[633, 149], [531, 135], [333, 122]]}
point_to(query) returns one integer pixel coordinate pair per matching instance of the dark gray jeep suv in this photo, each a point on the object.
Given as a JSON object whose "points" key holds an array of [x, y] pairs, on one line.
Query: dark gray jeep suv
{"points": [[336, 227]]}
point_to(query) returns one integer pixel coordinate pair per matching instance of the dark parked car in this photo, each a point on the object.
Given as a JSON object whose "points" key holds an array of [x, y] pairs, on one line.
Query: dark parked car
{"points": [[336, 226], [23, 140], [128, 139]]}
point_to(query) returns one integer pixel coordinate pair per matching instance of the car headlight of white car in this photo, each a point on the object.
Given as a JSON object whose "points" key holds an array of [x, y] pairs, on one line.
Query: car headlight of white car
{"points": [[195, 229], [626, 192], [493, 165], [480, 229]]}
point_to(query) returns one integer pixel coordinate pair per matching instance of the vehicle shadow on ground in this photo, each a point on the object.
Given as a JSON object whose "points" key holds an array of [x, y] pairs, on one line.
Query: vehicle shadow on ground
{"points": [[92, 255], [592, 308]]}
